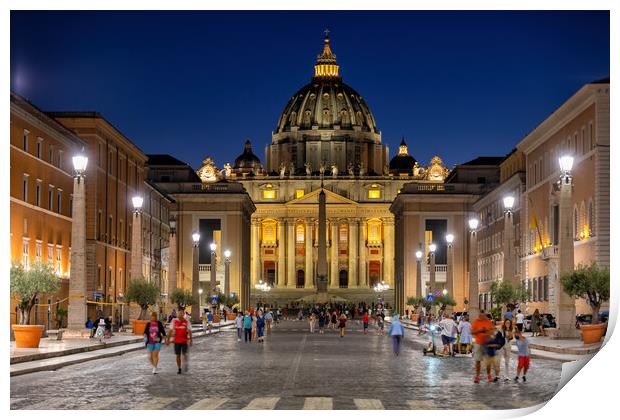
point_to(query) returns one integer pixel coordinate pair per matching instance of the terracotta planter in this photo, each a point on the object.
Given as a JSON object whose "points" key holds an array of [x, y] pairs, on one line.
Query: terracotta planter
{"points": [[139, 325], [592, 333], [216, 319], [415, 317], [230, 317], [27, 336]]}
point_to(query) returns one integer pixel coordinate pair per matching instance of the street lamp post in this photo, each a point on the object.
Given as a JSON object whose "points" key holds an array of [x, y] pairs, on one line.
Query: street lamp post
{"points": [[196, 277], [418, 274], [136, 238], [473, 308], [172, 258], [508, 266], [227, 261], [449, 268], [564, 304], [432, 248], [77, 310], [200, 297], [212, 280]]}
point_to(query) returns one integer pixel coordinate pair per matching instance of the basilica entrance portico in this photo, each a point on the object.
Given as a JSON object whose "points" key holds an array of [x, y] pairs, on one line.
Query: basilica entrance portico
{"points": [[285, 236]]}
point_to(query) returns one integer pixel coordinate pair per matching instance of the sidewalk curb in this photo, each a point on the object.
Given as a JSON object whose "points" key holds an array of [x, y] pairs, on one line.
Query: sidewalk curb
{"points": [[100, 353]]}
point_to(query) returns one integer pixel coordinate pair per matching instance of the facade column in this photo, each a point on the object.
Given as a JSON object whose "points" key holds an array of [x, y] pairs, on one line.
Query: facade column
{"points": [[418, 273], [508, 263], [255, 252], [308, 274], [388, 251], [565, 305], [333, 283], [77, 286], [352, 253], [362, 250], [473, 308], [290, 253], [136, 245], [450, 271], [172, 261], [196, 282], [281, 281], [433, 286]]}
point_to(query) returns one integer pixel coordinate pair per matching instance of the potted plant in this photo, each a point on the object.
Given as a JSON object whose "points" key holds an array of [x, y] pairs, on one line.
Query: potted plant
{"points": [[589, 282], [145, 294], [416, 302], [231, 301], [182, 298], [443, 301], [507, 294], [26, 284]]}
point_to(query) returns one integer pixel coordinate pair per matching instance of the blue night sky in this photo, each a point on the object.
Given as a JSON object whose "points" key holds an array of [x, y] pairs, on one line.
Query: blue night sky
{"points": [[191, 84]]}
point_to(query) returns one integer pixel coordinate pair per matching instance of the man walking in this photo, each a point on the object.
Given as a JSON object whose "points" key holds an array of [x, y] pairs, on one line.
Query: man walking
{"points": [[182, 334], [481, 327]]}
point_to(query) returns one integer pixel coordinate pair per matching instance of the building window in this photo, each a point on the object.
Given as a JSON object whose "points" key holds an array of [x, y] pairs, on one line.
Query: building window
{"points": [[299, 193], [575, 223], [374, 193], [58, 259], [269, 194], [546, 288], [591, 135], [300, 234], [37, 196], [59, 202], [591, 218], [50, 254], [99, 285], [50, 197], [26, 138], [25, 253], [38, 251], [60, 152], [25, 187], [51, 156], [39, 147]]}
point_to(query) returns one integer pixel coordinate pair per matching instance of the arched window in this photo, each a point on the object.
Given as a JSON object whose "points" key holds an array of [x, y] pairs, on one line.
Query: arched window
{"points": [[575, 223], [583, 220], [591, 217], [300, 234]]}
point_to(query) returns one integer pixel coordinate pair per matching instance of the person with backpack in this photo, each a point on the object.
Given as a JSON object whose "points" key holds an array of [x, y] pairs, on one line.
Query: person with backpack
{"points": [[154, 334], [493, 342], [181, 332]]}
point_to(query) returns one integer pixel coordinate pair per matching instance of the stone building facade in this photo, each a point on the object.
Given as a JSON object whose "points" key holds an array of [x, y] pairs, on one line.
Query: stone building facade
{"points": [[41, 185], [580, 128]]}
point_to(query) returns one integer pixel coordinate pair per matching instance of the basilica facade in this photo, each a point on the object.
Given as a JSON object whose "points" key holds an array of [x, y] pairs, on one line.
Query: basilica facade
{"points": [[325, 139]]}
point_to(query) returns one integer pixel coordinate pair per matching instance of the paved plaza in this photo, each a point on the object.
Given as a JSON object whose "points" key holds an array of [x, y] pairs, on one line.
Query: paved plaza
{"points": [[293, 369]]}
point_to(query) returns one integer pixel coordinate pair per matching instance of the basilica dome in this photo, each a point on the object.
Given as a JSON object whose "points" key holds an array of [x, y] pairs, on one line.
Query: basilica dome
{"points": [[326, 124], [247, 162], [326, 103], [403, 162]]}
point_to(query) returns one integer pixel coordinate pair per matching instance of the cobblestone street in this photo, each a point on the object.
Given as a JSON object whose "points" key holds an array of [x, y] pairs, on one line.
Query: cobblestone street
{"points": [[293, 369]]}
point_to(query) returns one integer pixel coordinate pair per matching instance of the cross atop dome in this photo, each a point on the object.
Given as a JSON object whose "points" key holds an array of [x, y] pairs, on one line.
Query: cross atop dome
{"points": [[326, 61]]}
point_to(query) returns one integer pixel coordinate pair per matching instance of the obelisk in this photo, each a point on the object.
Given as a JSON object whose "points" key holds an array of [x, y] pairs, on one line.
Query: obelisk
{"points": [[321, 269]]}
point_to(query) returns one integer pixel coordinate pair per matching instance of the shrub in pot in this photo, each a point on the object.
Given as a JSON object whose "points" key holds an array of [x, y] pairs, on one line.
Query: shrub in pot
{"points": [[26, 285], [145, 294], [589, 282], [182, 298]]}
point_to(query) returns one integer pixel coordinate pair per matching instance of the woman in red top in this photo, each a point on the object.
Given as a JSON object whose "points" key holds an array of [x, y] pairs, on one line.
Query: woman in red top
{"points": [[182, 334], [365, 322]]}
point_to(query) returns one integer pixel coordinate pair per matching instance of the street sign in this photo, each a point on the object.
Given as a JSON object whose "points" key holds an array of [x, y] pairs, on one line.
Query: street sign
{"points": [[430, 297], [97, 294], [437, 293], [213, 299]]}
